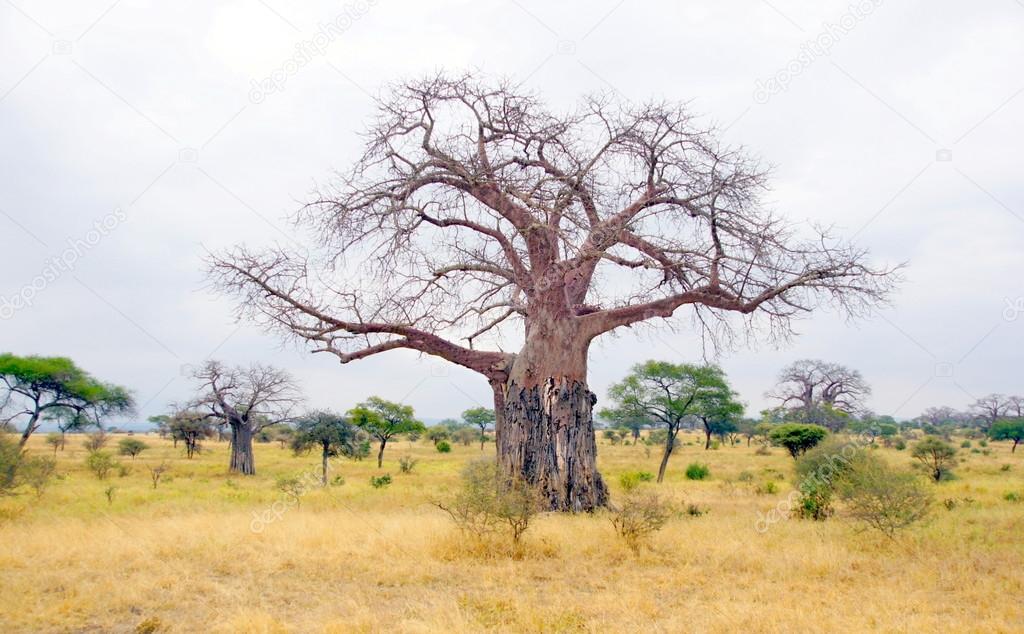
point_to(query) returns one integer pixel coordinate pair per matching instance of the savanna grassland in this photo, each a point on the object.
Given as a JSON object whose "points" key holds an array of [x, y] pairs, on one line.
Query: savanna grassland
{"points": [[352, 558]]}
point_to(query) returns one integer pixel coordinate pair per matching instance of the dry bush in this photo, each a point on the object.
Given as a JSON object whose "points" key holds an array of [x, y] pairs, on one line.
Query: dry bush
{"points": [[642, 514], [883, 498], [156, 472], [96, 440], [489, 502]]}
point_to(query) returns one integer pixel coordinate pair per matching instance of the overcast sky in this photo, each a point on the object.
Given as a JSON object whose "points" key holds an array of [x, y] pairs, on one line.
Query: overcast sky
{"points": [[899, 122]]}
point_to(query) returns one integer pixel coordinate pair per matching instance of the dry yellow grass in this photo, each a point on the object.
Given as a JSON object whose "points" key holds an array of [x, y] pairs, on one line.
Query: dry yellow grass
{"points": [[183, 558]]}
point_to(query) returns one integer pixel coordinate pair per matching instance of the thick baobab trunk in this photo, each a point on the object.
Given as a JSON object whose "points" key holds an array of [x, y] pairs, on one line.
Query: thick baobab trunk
{"points": [[242, 459], [545, 428]]}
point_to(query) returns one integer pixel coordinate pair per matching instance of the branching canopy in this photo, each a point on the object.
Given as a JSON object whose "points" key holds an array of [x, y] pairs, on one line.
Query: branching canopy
{"points": [[257, 396], [477, 211]]}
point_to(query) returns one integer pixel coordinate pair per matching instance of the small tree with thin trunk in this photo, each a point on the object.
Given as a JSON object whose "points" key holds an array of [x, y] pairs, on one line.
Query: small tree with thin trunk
{"points": [[131, 447], [331, 434], [32, 387], [1012, 429], [718, 410], [246, 400], [160, 422], [384, 420], [797, 438], [56, 441], [482, 418], [477, 214], [668, 393], [936, 456], [190, 427]]}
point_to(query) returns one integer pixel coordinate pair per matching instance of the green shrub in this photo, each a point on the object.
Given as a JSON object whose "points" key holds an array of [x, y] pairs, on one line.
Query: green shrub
{"points": [[338, 481], [745, 476], [900, 444], [1011, 496], [10, 460], [131, 447], [768, 488], [983, 442], [697, 471], [37, 472], [379, 482], [100, 463], [965, 444], [820, 470], [632, 479], [444, 447], [872, 492], [1005, 467], [815, 501]]}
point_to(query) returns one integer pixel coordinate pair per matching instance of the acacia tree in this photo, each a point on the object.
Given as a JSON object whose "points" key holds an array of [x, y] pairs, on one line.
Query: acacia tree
{"points": [[246, 400], [718, 410], [482, 418], [331, 434], [190, 427], [33, 387], [819, 392], [384, 420], [478, 215], [669, 394], [1009, 429], [936, 456]]}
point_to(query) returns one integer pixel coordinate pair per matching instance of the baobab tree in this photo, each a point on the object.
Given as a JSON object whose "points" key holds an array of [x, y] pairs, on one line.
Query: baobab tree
{"points": [[476, 216], [820, 392], [988, 409], [246, 400]]}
